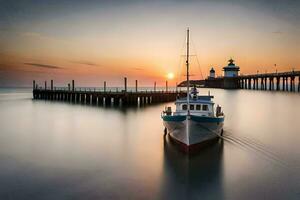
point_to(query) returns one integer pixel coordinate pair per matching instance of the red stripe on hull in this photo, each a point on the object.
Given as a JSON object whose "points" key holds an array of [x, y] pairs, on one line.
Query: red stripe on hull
{"points": [[194, 147]]}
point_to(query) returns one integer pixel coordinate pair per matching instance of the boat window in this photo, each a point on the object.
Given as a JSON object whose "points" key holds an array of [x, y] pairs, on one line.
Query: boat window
{"points": [[184, 107], [198, 107], [204, 107], [192, 106]]}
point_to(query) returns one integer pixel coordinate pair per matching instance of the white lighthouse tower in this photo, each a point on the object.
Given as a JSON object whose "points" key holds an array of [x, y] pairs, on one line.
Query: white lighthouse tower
{"points": [[212, 73], [231, 70]]}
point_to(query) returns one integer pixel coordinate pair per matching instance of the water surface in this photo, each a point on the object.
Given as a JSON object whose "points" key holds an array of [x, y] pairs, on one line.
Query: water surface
{"points": [[56, 150]]}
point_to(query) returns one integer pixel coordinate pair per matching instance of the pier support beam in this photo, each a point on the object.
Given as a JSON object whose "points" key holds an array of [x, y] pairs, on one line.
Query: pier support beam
{"points": [[266, 80], [104, 86], [136, 85], [33, 84], [298, 83], [155, 86], [271, 83], [278, 83], [292, 83], [73, 85], [125, 84], [166, 86], [51, 85]]}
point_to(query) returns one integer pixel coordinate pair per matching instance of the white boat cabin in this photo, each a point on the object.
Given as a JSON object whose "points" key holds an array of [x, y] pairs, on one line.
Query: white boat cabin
{"points": [[202, 106], [198, 105]]}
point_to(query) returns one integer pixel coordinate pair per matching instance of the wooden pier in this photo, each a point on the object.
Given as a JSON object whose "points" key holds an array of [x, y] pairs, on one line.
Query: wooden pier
{"points": [[283, 81], [92, 96]]}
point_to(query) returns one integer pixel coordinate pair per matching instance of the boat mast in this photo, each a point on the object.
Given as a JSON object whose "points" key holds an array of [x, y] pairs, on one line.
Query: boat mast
{"points": [[187, 71]]}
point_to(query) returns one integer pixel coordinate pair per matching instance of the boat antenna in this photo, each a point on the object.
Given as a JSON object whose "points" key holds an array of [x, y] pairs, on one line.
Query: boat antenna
{"points": [[187, 70]]}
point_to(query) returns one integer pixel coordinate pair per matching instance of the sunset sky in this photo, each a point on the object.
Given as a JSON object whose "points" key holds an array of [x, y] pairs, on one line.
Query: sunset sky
{"points": [[93, 41]]}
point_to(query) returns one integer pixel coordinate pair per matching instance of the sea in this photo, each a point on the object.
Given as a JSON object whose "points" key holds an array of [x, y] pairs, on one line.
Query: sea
{"points": [[59, 150]]}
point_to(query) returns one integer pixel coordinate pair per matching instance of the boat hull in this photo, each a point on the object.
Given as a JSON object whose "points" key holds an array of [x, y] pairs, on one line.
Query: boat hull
{"points": [[192, 131]]}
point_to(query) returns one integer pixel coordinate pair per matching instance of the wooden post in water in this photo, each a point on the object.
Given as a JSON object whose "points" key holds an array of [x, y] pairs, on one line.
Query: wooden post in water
{"points": [[104, 87], [241, 83], [292, 83], [256, 87], [125, 84], [73, 85], [166, 86], [155, 86], [33, 84], [51, 85], [298, 83], [136, 85], [266, 81], [69, 87], [45, 85]]}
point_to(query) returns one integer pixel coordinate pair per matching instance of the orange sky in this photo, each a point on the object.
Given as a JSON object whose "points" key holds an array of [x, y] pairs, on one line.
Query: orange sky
{"points": [[101, 41]]}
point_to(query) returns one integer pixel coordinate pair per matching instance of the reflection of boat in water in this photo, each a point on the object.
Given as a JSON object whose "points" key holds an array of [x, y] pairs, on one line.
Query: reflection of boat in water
{"points": [[192, 176], [194, 122]]}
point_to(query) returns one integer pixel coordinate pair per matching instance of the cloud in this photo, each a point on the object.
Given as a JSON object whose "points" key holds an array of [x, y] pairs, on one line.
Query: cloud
{"points": [[85, 63], [31, 34], [44, 66], [137, 68], [277, 32]]}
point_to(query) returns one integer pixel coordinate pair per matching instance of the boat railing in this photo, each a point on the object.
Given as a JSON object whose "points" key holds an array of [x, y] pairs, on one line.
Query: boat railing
{"points": [[167, 111]]}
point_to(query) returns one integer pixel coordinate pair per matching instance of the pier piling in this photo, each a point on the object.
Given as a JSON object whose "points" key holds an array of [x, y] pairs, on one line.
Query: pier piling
{"points": [[51, 85], [73, 85], [125, 84], [166, 86], [298, 83], [277, 83], [136, 85]]}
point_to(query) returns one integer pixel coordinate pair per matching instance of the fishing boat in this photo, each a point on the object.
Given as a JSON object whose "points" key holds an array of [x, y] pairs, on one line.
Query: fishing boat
{"points": [[195, 121]]}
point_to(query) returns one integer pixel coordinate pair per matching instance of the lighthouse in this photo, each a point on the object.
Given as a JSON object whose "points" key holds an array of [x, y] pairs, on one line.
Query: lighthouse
{"points": [[231, 70], [212, 73]]}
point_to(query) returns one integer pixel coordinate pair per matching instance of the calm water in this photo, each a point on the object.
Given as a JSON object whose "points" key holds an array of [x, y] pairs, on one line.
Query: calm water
{"points": [[55, 150]]}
